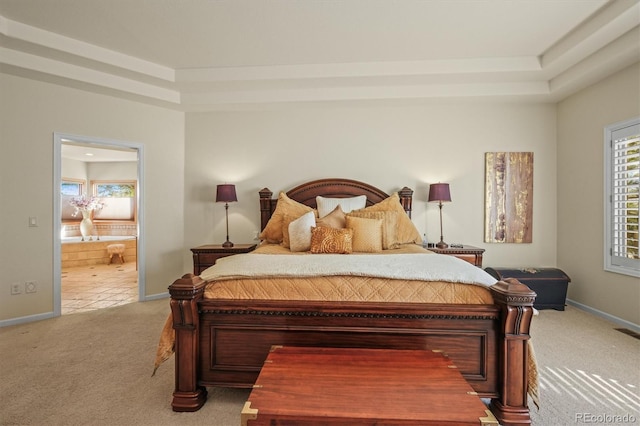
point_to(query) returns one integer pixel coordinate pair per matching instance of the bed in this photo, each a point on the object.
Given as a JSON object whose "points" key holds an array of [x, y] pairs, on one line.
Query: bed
{"points": [[224, 322]]}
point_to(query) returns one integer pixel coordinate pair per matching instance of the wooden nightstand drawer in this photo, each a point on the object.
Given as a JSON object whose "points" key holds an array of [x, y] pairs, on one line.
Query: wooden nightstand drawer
{"points": [[207, 255], [470, 254], [471, 258], [210, 258]]}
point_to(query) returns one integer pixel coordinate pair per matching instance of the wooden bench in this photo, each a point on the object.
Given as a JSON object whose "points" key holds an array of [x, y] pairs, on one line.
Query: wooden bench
{"points": [[349, 386]]}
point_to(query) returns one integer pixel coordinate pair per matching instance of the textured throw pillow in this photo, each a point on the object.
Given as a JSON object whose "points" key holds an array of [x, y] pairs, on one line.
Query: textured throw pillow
{"points": [[335, 219], [272, 233], [407, 233], [331, 240], [367, 234], [389, 226], [326, 205], [300, 232]]}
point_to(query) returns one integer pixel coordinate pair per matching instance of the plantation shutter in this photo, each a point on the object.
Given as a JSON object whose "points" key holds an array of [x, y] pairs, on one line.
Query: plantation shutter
{"points": [[624, 191]]}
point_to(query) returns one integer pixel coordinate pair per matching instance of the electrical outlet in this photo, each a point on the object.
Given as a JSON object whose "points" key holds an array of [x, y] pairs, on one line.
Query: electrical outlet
{"points": [[30, 287], [16, 288]]}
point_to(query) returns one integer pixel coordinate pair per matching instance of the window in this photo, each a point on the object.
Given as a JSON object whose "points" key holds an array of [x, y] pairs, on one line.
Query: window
{"points": [[119, 198], [70, 188], [622, 186]]}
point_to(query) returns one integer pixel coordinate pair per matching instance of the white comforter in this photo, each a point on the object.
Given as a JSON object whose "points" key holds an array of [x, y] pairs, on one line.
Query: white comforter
{"points": [[416, 266]]}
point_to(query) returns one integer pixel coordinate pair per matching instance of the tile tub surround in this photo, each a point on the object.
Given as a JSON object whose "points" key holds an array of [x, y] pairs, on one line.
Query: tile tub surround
{"points": [[87, 253], [101, 229]]}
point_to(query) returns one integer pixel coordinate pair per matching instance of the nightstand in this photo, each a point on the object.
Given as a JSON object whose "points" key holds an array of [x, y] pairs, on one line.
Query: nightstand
{"points": [[206, 256], [471, 254]]}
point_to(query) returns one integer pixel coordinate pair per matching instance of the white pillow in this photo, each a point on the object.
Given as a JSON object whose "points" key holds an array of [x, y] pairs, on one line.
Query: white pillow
{"points": [[326, 205], [300, 232]]}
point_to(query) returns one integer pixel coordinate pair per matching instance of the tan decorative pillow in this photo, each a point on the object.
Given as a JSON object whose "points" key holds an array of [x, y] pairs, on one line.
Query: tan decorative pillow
{"points": [[367, 234], [331, 240], [407, 233], [272, 233], [389, 225], [335, 219], [326, 205], [286, 220], [300, 232]]}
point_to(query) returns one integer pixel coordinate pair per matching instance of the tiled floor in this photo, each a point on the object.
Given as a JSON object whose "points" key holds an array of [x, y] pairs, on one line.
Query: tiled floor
{"points": [[101, 286]]}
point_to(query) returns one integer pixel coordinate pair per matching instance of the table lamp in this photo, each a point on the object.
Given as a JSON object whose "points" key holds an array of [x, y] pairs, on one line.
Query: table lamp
{"points": [[226, 194], [440, 192]]}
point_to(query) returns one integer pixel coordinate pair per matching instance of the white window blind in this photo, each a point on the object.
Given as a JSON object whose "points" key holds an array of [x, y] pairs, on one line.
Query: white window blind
{"points": [[623, 186], [119, 198]]}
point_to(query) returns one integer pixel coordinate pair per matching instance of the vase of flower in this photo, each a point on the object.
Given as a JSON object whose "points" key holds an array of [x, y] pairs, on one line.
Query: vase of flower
{"points": [[86, 225], [86, 206]]}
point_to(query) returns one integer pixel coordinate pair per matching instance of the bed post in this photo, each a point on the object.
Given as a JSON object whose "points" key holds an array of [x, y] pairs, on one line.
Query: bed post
{"points": [[516, 305], [406, 194], [185, 294], [266, 206]]}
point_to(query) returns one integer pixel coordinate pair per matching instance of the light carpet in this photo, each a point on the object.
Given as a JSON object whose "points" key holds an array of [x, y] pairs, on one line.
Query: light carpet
{"points": [[95, 369]]}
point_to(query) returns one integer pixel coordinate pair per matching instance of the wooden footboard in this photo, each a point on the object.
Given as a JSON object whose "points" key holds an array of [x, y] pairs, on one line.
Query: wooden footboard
{"points": [[224, 343], [515, 301]]}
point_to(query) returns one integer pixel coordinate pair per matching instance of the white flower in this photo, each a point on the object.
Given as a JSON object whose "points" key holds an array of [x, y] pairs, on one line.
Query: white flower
{"points": [[82, 204]]}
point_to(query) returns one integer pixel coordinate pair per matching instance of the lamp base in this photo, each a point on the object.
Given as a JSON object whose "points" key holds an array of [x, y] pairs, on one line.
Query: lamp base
{"points": [[227, 244], [442, 245]]}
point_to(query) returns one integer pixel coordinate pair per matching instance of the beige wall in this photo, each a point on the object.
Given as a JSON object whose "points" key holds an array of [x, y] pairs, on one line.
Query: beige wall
{"points": [[581, 121], [387, 146], [30, 113]]}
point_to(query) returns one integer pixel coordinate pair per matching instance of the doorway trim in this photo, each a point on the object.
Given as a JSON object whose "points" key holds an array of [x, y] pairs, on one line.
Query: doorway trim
{"points": [[58, 139]]}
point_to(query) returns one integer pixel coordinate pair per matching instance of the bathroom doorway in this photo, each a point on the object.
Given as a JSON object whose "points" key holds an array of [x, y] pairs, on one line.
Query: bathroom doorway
{"points": [[101, 263]]}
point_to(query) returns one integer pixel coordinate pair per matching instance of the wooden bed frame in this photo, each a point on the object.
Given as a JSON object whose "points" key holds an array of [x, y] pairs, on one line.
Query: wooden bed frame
{"points": [[225, 342]]}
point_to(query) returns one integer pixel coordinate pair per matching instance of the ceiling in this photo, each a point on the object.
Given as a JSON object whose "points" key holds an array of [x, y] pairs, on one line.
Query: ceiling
{"points": [[92, 153], [199, 55]]}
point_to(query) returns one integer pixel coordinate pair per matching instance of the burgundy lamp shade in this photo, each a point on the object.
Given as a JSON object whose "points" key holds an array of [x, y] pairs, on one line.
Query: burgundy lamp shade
{"points": [[226, 193], [439, 192]]}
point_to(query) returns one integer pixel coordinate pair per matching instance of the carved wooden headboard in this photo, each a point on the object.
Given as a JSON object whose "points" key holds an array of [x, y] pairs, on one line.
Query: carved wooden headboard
{"points": [[331, 188]]}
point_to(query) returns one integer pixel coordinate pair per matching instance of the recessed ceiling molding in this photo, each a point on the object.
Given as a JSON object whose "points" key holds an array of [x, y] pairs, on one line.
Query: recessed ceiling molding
{"points": [[364, 93], [37, 36], [86, 75], [601, 29], [366, 69], [616, 56]]}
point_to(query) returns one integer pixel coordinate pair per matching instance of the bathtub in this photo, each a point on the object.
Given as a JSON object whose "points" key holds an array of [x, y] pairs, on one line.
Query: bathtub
{"points": [[76, 252], [94, 239]]}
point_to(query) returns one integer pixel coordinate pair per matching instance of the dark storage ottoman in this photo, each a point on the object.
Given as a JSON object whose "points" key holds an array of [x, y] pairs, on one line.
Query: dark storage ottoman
{"points": [[550, 284]]}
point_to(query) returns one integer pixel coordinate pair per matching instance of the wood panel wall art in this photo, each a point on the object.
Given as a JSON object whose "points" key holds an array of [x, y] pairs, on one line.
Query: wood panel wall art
{"points": [[508, 197]]}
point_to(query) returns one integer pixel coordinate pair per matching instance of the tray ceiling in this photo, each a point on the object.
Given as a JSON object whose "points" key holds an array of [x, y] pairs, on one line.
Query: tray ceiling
{"points": [[205, 55]]}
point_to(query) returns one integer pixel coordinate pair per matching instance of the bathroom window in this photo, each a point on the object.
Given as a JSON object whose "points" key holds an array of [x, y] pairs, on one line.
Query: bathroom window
{"points": [[70, 188], [119, 198]]}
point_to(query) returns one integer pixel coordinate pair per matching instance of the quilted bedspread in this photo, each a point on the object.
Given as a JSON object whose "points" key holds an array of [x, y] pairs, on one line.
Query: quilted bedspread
{"points": [[405, 276]]}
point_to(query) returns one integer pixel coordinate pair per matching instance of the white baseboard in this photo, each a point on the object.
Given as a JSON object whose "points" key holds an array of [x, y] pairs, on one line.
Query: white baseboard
{"points": [[48, 315], [598, 313], [24, 320], [158, 296]]}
